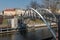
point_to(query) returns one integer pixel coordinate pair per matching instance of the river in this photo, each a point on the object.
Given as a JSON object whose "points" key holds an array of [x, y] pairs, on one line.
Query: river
{"points": [[37, 35], [17, 36]]}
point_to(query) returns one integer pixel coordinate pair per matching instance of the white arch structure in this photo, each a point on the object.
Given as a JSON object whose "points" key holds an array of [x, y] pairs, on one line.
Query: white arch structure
{"points": [[47, 24]]}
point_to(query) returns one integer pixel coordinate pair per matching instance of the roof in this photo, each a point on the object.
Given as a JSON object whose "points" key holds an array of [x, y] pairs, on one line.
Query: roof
{"points": [[9, 9], [19, 9]]}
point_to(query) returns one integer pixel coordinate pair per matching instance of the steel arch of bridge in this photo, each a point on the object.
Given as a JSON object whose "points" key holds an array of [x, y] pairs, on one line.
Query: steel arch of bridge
{"points": [[49, 27]]}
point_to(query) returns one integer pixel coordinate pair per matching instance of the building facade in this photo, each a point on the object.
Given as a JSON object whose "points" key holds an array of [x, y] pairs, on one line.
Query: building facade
{"points": [[9, 12], [13, 11], [13, 22], [19, 11]]}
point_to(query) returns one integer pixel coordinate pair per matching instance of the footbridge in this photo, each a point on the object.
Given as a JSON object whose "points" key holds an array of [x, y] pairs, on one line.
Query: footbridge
{"points": [[42, 14]]}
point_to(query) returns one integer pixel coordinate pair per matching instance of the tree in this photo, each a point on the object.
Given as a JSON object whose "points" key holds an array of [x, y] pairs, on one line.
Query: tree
{"points": [[34, 4], [51, 4]]}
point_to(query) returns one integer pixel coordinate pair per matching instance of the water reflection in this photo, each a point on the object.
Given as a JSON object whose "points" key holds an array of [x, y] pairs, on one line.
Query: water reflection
{"points": [[17, 36], [37, 35], [11, 36]]}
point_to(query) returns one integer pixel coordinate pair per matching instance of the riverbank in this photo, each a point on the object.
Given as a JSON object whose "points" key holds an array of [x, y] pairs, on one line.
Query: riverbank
{"points": [[8, 32]]}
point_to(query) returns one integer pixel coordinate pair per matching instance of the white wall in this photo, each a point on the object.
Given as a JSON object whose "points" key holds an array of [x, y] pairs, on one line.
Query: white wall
{"points": [[14, 22], [19, 11], [1, 13], [9, 13]]}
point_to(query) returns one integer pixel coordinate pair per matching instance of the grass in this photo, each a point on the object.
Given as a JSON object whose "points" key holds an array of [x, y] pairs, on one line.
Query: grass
{"points": [[5, 21], [38, 21]]}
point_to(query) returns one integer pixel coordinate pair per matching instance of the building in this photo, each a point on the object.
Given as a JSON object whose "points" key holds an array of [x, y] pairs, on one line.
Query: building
{"points": [[1, 13], [13, 11], [13, 22], [58, 6], [9, 12], [19, 11]]}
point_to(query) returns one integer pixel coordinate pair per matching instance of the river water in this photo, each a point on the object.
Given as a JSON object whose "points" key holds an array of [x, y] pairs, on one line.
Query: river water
{"points": [[17, 36], [24, 36]]}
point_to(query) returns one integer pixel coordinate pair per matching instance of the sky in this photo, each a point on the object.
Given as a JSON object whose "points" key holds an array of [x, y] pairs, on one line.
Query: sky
{"points": [[15, 3]]}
